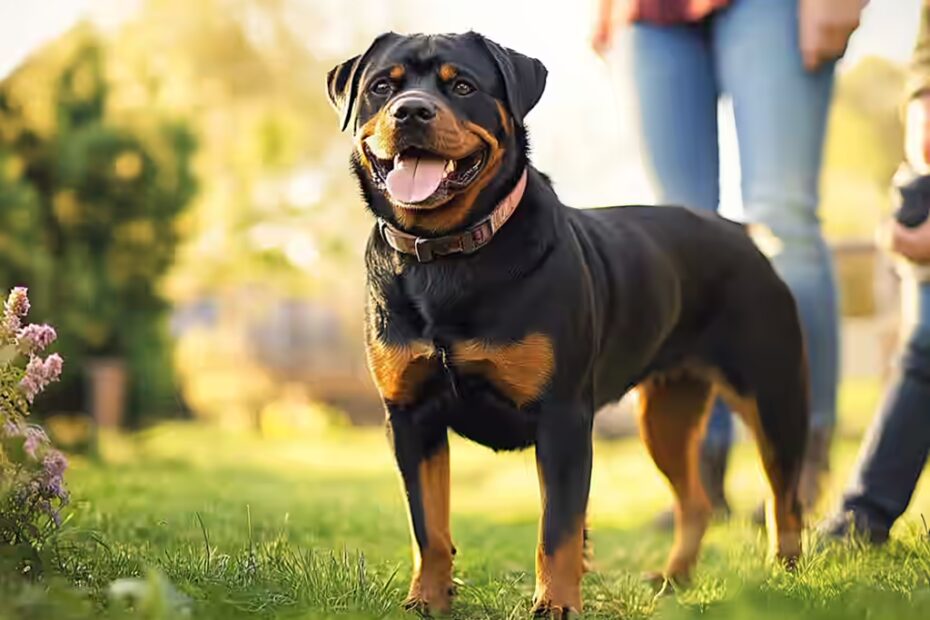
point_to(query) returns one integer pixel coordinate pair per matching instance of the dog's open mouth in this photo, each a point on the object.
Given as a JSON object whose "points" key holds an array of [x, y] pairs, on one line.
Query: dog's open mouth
{"points": [[418, 178]]}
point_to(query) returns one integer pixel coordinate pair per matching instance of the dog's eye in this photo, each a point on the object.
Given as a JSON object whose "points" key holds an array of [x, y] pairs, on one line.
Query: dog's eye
{"points": [[381, 87], [463, 88]]}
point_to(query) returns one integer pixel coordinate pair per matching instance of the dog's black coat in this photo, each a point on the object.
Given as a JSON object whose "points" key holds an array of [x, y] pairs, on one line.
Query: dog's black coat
{"points": [[624, 294]]}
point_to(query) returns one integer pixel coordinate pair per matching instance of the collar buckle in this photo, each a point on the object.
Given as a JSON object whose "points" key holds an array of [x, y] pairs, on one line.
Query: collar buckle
{"points": [[423, 250]]}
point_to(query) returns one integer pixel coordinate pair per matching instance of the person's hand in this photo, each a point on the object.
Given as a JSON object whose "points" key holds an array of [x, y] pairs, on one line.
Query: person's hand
{"points": [[602, 37], [825, 28], [911, 243], [917, 134]]}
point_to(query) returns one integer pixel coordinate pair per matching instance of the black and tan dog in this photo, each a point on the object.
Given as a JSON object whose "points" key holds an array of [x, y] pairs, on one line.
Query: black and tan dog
{"points": [[498, 312]]}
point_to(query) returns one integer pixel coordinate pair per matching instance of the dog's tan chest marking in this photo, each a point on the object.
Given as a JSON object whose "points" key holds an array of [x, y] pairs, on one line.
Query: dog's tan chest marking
{"points": [[520, 370], [399, 369]]}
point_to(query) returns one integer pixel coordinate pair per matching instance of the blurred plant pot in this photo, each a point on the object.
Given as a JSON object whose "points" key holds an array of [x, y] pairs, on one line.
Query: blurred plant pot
{"points": [[107, 379]]}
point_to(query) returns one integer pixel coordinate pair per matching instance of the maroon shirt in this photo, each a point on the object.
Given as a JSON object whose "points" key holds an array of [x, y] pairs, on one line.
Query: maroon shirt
{"points": [[672, 11]]}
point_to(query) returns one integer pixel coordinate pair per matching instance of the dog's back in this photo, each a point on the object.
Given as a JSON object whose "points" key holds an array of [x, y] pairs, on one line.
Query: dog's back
{"points": [[692, 286]]}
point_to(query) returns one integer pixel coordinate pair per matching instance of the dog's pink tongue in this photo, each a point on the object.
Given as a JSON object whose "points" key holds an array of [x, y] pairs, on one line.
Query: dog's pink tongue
{"points": [[414, 179]]}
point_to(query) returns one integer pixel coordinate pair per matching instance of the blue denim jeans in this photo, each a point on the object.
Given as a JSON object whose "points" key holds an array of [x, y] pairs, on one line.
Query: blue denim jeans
{"points": [[749, 52], [895, 449]]}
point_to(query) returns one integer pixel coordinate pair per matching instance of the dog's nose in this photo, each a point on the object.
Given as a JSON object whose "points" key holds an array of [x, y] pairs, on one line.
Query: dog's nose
{"points": [[413, 110]]}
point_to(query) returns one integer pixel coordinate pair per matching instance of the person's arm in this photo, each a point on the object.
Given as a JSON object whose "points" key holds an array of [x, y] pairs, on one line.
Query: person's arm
{"points": [[603, 35], [825, 27], [914, 243]]}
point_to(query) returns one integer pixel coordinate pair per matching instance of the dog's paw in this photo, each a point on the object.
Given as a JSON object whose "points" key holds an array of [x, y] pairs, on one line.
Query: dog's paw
{"points": [[790, 562], [547, 609], [421, 607], [428, 600]]}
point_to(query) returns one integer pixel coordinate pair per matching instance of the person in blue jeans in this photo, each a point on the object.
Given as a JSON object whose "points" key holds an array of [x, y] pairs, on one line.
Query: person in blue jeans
{"points": [[775, 60], [896, 447]]}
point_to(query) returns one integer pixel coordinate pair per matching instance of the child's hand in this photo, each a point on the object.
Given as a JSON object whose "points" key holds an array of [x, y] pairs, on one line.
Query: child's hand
{"points": [[911, 243]]}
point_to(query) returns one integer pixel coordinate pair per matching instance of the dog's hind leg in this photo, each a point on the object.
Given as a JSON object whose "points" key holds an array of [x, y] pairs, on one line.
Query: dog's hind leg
{"points": [[671, 415], [778, 417]]}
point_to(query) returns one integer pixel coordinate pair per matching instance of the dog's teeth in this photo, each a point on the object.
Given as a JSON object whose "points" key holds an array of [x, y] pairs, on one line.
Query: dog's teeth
{"points": [[397, 159], [450, 166]]}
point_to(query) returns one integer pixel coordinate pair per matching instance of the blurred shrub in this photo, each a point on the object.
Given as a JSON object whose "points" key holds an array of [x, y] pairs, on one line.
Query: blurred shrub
{"points": [[89, 214]]}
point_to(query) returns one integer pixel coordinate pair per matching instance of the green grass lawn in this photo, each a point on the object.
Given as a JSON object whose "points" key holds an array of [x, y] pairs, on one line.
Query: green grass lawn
{"points": [[313, 528]]}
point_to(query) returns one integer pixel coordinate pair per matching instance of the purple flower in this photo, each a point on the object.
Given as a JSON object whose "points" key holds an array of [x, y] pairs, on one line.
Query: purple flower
{"points": [[35, 439], [16, 306], [9, 326], [37, 488], [34, 380], [53, 365], [35, 338], [55, 463], [39, 373], [53, 471], [31, 446], [12, 429], [17, 303]]}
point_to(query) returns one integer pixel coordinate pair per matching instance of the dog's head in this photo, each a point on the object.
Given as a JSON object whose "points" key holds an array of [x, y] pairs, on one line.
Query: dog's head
{"points": [[438, 125]]}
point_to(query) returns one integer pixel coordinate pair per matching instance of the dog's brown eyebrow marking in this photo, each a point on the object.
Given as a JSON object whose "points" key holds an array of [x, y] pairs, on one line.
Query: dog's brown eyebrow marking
{"points": [[447, 72], [397, 72]]}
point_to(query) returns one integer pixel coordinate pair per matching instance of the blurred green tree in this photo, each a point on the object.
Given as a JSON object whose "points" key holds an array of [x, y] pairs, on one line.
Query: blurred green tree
{"points": [[89, 214], [276, 216], [276, 208], [278, 219]]}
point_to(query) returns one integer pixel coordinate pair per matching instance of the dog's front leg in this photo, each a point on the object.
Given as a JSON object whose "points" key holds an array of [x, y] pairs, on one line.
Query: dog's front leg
{"points": [[563, 461], [423, 459]]}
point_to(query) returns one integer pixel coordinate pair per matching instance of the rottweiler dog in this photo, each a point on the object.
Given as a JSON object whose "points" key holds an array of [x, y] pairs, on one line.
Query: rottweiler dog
{"points": [[498, 312]]}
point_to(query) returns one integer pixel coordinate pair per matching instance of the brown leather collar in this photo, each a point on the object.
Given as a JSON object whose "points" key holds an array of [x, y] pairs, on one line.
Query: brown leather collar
{"points": [[470, 240]]}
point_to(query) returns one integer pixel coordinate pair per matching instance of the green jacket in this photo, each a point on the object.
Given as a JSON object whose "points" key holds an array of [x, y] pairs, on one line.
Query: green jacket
{"points": [[919, 77]]}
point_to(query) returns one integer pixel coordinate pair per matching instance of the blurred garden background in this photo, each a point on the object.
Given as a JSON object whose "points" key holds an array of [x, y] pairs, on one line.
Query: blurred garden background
{"points": [[175, 194]]}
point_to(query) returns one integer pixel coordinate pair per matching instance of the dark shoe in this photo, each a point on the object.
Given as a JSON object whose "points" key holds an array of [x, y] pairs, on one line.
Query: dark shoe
{"points": [[853, 525], [712, 468]]}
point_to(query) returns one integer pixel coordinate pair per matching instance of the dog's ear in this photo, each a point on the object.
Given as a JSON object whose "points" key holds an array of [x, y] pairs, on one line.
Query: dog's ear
{"points": [[342, 80], [524, 78]]}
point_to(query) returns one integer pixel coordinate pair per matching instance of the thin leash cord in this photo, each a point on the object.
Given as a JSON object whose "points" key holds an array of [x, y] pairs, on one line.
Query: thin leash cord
{"points": [[447, 366]]}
